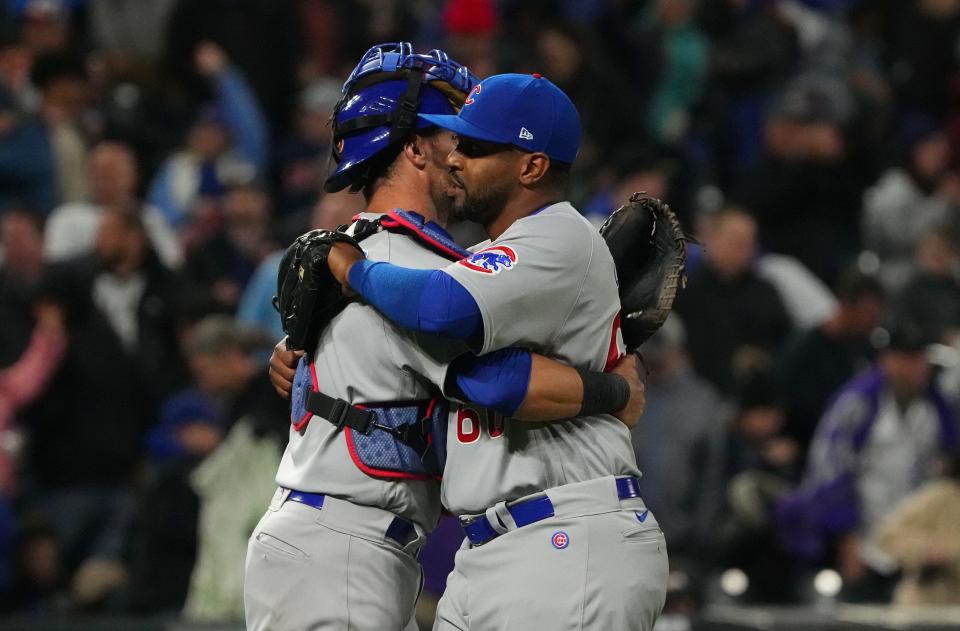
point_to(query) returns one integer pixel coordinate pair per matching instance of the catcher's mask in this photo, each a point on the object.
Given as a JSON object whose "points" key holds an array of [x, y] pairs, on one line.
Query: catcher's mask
{"points": [[380, 102]]}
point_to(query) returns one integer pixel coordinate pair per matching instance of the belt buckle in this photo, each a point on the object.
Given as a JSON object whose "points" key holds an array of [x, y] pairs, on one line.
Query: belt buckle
{"points": [[478, 530], [466, 520]]}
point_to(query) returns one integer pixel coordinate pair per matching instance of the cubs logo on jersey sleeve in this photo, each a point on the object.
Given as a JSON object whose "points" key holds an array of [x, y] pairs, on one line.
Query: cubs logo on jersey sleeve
{"points": [[492, 260]]}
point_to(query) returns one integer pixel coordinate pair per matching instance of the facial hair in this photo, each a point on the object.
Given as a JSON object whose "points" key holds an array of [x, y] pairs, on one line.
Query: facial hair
{"points": [[482, 207]]}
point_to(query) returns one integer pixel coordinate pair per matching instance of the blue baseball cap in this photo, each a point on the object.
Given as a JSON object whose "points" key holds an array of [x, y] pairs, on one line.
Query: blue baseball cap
{"points": [[526, 111]]}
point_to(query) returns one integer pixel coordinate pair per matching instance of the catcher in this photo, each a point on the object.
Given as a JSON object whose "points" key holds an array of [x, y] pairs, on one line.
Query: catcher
{"points": [[547, 509]]}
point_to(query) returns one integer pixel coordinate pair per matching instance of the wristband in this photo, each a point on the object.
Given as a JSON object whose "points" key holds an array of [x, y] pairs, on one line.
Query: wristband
{"points": [[603, 393]]}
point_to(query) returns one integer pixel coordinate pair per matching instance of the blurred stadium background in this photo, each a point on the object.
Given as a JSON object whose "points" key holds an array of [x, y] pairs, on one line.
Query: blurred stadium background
{"points": [[800, 441]]}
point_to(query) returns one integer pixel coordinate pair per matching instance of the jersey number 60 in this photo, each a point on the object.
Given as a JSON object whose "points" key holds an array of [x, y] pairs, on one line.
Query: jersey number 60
{"points": [[469, 425]]}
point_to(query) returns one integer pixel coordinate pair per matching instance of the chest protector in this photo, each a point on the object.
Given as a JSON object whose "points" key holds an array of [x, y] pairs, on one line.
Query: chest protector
{"points": [[385, 439]]}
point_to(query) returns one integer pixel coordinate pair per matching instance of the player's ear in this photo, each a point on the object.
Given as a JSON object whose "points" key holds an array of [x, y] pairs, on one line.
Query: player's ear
{"points": [[533, 167], [414, 150]]}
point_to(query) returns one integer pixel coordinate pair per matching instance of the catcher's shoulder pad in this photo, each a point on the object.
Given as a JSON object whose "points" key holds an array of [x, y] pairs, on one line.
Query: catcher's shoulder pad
{"points": [[649, 249]]}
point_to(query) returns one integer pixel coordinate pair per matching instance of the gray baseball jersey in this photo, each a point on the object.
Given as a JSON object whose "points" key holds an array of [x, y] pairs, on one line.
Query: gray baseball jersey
{"points": [[363, 358], [548, 283]]}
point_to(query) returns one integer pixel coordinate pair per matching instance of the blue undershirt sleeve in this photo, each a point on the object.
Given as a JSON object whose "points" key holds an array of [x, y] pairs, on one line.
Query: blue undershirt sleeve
{"points": [[428, 301], [497, 380]]}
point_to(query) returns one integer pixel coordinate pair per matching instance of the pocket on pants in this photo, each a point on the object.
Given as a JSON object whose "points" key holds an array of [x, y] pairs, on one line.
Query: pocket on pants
{"points": [[642, 534], [275, 544]]}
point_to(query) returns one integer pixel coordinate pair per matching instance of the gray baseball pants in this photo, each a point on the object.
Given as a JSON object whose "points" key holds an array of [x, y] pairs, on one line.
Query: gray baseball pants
{"points": [[329, 568], [598, 563]]}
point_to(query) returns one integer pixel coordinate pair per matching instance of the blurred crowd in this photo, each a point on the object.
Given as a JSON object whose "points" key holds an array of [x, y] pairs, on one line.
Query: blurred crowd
{"points": [[803, 399]]}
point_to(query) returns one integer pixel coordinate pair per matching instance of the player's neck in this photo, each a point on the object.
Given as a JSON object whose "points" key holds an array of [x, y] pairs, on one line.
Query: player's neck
{"points": [[393, 194]]}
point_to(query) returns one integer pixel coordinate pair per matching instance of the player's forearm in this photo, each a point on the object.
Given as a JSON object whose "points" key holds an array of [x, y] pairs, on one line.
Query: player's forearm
{"points": [[555, 391], [530, 387], [427, 301]]}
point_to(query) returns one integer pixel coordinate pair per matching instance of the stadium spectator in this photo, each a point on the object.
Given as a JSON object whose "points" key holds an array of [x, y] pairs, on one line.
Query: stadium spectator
{"points": [[921, 47], [220, 267], [470, 27], [112, 182], [228, 142], [236, 478], [798, 199], [761, 466], [256, 305], [877, 442], [192, 425], [121, 358], [752, 52], [64, 97], [731, 314], [304, 156], [679, 446], [24, 381], [265, 41], [129, 29], [921, 535], [21, 241], [633, 171], [910, 200], [815, 362], [932, 295], [27, 170], [684, 53]]}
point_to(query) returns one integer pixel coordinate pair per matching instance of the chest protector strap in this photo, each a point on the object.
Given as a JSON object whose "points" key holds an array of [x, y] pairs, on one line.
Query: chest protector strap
{"points": [[392, 440], [426, 233]]}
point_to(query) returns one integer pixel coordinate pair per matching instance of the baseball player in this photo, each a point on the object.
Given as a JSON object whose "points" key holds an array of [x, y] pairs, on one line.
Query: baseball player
{"points": [[557, 535], [337, 546]]}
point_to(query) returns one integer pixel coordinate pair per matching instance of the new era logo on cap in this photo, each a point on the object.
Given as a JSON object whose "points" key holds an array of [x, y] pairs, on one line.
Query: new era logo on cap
{"points": [[509, 103]]}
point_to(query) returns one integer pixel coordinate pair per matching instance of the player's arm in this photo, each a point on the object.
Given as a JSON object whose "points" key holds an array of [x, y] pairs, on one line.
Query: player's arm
{"points": [[531, 387], [425, 301], [519, 384], [539, 270]]}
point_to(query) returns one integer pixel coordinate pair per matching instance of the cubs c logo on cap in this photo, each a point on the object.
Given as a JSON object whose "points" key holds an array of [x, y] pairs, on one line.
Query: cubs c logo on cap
{"points": [[475, 90], [493, 260]]}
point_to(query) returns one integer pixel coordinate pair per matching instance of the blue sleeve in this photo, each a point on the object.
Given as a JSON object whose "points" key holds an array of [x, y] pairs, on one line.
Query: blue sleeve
{"points": [[244, 117], [497, 380], [428, 301]]}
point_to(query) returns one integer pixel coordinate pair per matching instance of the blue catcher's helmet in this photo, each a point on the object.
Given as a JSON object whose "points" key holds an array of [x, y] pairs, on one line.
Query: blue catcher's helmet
{"points": [[380, 102]]}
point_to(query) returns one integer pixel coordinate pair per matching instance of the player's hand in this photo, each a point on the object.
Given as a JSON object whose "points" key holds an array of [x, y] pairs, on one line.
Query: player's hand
{"points": [[283, 366], [629, 367], [341, 258]]}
